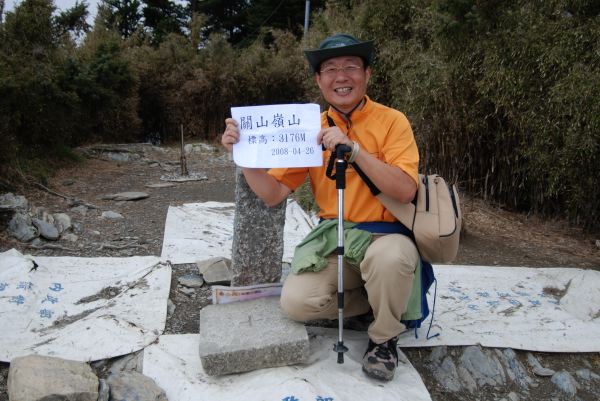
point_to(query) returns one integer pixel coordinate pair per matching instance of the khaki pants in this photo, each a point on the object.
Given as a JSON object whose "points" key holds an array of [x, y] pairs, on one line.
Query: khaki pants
{"points": [[387, 274]]}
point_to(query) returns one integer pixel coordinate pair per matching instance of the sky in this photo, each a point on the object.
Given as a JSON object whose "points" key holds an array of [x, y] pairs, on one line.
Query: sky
{"points": [[61, 5]]}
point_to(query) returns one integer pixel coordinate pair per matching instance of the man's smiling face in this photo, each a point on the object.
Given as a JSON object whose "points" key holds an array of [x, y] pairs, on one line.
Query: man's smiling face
{"points": [[343, 81]]}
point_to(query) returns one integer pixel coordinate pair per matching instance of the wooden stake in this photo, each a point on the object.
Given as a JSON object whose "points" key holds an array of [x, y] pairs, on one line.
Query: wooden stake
{"points": [[184, 170]]}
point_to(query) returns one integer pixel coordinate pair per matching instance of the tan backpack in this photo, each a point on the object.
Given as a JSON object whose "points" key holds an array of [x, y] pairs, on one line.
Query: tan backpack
{"points": [[434, 217]]}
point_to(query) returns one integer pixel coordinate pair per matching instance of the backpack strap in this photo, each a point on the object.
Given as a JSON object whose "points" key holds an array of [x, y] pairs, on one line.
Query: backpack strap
{"points": [[372, 187]]}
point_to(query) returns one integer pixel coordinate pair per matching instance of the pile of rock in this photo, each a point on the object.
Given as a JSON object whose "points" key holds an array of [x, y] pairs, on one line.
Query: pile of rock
{"points": [[512, 377], [27, 223], [120, 152], [35, 377]]}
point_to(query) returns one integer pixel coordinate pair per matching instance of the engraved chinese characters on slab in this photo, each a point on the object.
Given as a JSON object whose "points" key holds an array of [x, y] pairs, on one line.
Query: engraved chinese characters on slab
{"points": [[283, 135]]}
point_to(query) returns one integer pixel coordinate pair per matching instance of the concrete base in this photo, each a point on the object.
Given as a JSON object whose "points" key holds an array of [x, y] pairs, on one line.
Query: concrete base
{"points": [[244, 336]]}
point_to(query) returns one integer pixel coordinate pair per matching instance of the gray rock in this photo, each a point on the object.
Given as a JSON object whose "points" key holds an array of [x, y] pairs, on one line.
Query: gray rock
{"points": [[177, 177], [466, 379], [170, 308], [188, 148], [564, 381], [584, 374], [515, 370], [46, 230], [537, 368], [9, 201], [598, 243], [35, 377], [512, 396], [191, 280], [244, 336], [447, 375], [532, 360], [160, 185], [20, 227], [485, 369], [187, 291], [119, 156], [103, 391], [134, 386], [127, 362], [437, 354], [62, 221], [81, 209], [111, 215], [126, 196], [204, 147], [543, 372], [216, 270], [77, 228], [257, 237]]}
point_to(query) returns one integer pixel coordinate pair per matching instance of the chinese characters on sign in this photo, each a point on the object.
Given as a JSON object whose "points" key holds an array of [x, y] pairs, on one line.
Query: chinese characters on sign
{"points": [[278, 136], [24, 287]]}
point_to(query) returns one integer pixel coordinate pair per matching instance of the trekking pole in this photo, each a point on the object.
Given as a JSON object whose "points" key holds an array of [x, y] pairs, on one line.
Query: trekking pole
{"points": [[340, 183]]}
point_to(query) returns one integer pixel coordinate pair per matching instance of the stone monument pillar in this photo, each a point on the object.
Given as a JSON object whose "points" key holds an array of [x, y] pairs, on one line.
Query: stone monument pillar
{"points": [[257, 237]]}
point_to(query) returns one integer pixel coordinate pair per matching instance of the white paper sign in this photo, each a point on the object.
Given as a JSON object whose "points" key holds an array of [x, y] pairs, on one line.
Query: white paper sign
{"points": [[83, 309], [536, 309], [283, 135]]}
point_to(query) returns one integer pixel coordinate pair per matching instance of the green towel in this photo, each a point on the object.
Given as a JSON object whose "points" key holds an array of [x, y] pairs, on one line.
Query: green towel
{"points": [[414, 308], [311, 254]]}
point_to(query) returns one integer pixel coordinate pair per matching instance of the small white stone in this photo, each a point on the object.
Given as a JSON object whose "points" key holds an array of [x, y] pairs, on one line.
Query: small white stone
{"points": [[111, 215]]}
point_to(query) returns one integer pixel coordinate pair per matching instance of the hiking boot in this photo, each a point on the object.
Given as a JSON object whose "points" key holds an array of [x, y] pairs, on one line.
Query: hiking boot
{"points": [[380, 360]]}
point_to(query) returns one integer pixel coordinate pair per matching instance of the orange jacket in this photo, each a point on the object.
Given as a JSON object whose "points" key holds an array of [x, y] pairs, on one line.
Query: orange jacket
{"points": [[383, 132]]}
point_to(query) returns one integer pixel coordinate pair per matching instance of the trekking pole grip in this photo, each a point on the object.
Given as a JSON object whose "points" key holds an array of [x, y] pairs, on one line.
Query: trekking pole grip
{"points": [[341, 164], [341, 150]]}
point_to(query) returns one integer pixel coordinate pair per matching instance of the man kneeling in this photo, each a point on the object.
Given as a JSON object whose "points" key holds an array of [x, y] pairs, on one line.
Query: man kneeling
{"points": [[385, 150]]}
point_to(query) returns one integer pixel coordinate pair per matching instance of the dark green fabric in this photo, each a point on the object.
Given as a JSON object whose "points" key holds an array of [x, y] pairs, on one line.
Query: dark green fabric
{"points": [[413, 309]]}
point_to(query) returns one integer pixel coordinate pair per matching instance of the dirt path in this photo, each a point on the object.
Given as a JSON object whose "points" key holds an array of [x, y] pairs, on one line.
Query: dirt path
{"points": [[491, 236]]}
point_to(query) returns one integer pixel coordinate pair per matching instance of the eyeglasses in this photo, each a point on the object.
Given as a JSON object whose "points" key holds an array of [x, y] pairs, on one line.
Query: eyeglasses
{"points": [[347, 69]]}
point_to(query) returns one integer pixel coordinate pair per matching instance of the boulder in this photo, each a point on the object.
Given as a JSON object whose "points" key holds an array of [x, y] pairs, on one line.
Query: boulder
{"points": [[20, 227], [134, 386], [216, 270], [126, 196], [191, 280], [46, 230], [62, 221], [37, 378], [13, 202], [111, 215]]}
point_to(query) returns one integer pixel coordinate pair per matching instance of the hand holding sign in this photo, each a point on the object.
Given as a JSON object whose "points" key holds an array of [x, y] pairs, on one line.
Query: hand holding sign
{"points": [[278, 136]]}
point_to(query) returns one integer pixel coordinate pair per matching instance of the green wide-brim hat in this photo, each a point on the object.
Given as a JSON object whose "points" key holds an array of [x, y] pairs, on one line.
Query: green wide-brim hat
{"points": [[339, 45]]}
